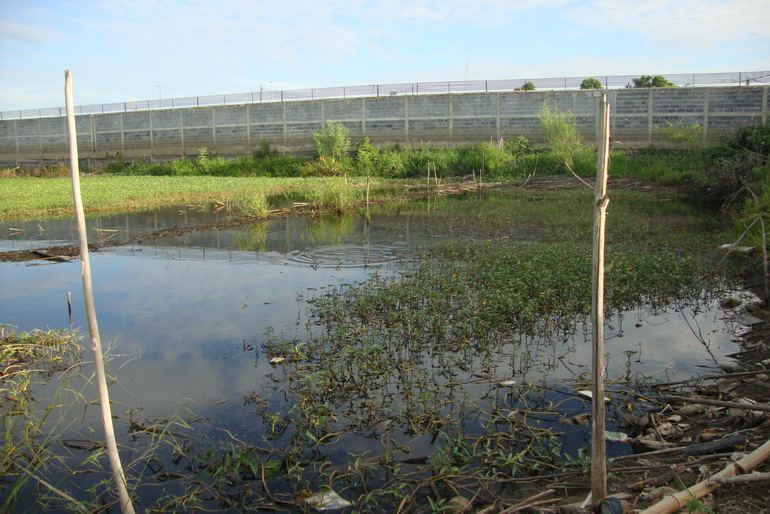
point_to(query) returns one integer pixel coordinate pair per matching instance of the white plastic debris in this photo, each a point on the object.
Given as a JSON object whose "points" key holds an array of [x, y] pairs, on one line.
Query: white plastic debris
{"points": [[327, 500], [588, 394], [738, 249], [616, 437], [277, 360]]}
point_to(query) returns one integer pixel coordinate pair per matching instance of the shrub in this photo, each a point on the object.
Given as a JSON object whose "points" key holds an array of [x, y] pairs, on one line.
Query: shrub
{"points": [[518, 146], [686, 137], [488, 158], [333, 142], [325, 166], [368, 158], [562, 134], [183, 167]]}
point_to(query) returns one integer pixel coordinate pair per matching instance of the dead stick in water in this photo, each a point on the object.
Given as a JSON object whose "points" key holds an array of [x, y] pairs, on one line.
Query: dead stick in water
{"points": [[718, 403]]}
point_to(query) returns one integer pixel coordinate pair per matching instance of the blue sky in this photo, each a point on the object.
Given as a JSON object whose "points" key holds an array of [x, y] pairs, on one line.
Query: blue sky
{"points": [[121, 50]]}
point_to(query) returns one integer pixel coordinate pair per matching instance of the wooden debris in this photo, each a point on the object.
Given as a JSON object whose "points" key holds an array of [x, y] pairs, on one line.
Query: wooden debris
{"points": [[679, 500], [718, 403], [740, 479]]}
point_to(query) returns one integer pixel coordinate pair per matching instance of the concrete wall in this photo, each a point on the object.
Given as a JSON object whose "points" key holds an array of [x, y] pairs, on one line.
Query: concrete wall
{"points": [[435, 120]]}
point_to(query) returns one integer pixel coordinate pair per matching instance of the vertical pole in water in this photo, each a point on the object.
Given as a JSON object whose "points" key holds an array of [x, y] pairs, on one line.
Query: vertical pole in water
{"points": [[104, 397], [598, 445]]}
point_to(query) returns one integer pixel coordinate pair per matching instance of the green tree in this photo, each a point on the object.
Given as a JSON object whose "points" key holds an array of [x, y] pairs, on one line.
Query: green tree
{"points": [[650, 81], [590, 84], [527, 86]]}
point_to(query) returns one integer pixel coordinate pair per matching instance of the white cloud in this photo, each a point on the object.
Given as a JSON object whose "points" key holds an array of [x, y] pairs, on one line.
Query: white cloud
{"points": [[684, 23], [27, 34]]}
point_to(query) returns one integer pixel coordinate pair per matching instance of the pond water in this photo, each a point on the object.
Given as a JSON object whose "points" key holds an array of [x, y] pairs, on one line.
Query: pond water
{"points": [[184, 319]]}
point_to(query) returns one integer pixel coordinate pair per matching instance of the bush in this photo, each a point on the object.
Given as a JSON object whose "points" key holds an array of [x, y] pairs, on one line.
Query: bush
{"points": [[489, 159], [686, 137], [333, 142], [368, 158], [518, 146], [325, 166], [562, 134]]}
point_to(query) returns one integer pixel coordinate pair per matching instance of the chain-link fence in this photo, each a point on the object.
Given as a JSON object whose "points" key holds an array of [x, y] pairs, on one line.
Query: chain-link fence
{"points": [[416, 88]]}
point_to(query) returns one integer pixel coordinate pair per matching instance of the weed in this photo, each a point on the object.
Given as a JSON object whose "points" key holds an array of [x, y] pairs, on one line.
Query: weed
{"points": [[561, 132]]}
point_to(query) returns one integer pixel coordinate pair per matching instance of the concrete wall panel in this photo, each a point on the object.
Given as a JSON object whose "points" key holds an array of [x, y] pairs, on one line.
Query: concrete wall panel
{"points": [[436, 119]]}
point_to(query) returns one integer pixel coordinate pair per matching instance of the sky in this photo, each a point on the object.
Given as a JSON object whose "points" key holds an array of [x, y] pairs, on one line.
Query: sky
{"points": [[134, 50]]}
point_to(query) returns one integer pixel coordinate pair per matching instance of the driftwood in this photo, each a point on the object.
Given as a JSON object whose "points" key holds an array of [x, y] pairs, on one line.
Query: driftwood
{"points": [[678, 501], [718, 403]]}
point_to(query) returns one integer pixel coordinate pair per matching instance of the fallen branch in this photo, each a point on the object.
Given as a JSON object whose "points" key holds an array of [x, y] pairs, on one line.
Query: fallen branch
{"points": [[679, 500], [718, 403], [736, 374], [740, 479], [531, 502]]}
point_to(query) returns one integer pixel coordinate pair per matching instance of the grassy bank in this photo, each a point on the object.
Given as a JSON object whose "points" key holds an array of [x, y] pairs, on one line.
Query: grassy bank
{"points": [[30, 197]]}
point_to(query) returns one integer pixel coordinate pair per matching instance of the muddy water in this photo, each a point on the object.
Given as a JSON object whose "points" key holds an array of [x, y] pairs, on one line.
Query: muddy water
{"points": [[184, 317]]}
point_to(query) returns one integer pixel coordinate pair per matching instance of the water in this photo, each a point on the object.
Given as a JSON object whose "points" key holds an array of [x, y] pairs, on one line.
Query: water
{"points": [[184, 318]]}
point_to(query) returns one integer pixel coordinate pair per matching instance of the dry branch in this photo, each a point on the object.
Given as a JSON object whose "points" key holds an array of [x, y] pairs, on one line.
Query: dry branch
{"points": [[718, 403], [678, 501], [740, 479]]}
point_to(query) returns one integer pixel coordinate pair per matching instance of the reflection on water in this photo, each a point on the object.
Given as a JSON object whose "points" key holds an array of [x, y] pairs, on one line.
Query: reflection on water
{"points": [[178, 313], [187, 303]]}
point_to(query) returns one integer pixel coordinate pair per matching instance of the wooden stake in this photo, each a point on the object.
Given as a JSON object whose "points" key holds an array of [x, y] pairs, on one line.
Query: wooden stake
{"points": [[598, 448], [104, 396]]}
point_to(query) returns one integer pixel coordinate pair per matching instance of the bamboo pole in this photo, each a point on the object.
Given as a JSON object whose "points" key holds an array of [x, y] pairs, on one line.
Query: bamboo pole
{"points": [[104, 397], [598, 446], [679, 500]]}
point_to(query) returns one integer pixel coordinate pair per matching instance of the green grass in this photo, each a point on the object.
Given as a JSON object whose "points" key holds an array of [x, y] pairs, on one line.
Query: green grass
{"points": [[30, 197]]}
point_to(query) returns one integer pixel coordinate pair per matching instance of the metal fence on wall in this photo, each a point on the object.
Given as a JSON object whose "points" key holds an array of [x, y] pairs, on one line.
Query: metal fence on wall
{"points": [[415, 88]]}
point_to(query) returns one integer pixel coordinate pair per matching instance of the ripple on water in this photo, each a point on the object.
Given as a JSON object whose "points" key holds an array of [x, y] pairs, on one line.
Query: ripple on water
{"points": [[344, 256]]}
